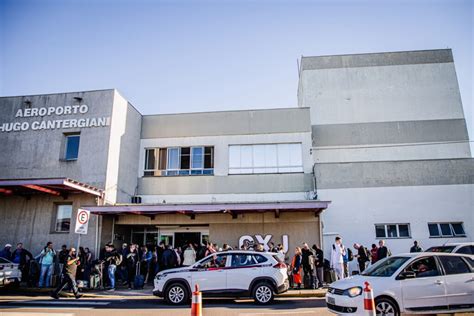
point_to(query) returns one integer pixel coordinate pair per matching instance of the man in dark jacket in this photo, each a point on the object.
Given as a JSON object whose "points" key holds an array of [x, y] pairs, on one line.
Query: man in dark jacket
{"points": [[63, 254], [319, 269], [19, 257], [362, 257], [383, 251], [112, 259], [416, 247], [69, 275], [169, 258], [6, 253], [308, 259]]}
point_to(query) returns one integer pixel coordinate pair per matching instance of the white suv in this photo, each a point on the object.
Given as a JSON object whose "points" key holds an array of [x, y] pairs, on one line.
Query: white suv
{"points": [[466, 248], [230, 273], [409, 283]]}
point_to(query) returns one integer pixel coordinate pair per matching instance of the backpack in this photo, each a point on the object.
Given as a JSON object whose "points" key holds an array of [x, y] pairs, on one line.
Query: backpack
{"points": [[350, 255]]}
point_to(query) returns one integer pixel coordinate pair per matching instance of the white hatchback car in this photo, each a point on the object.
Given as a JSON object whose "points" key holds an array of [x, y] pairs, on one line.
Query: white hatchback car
{"points": [[466, 248], [409, 283], [231, 273], [10, 274]]}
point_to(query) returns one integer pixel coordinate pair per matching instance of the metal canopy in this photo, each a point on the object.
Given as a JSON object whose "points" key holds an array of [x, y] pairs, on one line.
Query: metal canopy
{"points": [[192, 209], [53, 186]]}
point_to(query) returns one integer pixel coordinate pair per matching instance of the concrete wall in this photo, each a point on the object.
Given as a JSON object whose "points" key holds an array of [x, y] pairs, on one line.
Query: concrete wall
{"points": [[299, 226], [31, 221], [420, 86], [246, 122], [38, 154], [355, 211], [394, 173], [123, 151]]}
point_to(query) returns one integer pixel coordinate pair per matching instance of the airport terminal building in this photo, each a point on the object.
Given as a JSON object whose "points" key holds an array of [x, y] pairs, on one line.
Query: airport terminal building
{"points": [[376, 148]]}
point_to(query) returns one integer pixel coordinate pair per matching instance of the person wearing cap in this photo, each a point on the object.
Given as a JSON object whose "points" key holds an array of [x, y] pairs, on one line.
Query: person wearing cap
{"points": [[69, 275], [6, 253]]}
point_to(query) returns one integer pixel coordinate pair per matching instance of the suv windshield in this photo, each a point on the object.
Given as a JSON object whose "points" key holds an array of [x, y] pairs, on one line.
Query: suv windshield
{"points": [[446, 249], [386, 267]]}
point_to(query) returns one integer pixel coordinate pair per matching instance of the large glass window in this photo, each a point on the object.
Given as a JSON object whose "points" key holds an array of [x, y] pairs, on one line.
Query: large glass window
{"points": [[63, 218], [179, 161], [267, 158], [72, 147], [446, 230], [392, 230], [454, 265]]}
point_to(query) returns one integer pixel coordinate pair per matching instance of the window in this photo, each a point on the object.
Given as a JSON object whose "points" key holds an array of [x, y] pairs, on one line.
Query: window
{"points": [[424, 267], [392, 230], [269, 158], [72, 147], [454, 265], [63, 218], [385, 267], [214, 262], [179, 161], [467, 250], [446, 230]]}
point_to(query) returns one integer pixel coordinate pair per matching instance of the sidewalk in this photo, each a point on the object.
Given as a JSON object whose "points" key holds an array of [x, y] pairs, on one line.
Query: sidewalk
{"points": [[124, 293]]}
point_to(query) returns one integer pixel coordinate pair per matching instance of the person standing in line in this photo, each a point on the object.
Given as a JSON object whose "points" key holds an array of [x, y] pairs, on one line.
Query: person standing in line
{"points": [[6, 252], [112, 259], [338, 252], [123, 265], [308, 265], [362, 256], [19, 257], [373, 254], [319, 269], [383, 251], [69, 275], [416, 247], [296, 267], [131, 262], [47, 258], [189, 255]]}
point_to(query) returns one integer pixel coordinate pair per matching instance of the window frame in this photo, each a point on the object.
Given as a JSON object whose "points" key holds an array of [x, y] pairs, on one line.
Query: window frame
{"points": [[453, 233], [54, 221], [274, 169], [397, 228], [66, 145]]}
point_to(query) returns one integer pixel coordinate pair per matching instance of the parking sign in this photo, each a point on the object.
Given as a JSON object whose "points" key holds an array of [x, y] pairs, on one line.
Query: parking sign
{"points": [[82, 221]]}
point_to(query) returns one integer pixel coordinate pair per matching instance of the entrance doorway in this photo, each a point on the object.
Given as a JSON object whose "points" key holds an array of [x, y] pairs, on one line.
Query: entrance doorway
{"points": [[183, 239]]}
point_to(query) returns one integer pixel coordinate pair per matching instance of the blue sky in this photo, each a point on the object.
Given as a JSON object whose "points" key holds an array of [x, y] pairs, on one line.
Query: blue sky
{"points": [[187, 56]]}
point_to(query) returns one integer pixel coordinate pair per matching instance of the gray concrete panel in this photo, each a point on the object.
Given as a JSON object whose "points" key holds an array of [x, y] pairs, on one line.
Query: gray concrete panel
{"points": [[238, 184], [390, 132], [377, 59], [289, 120], [394, 173], [39, 153]]}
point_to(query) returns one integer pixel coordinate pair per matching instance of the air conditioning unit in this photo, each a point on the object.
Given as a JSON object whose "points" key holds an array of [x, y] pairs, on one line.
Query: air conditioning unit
{"points": [[136, 199]]}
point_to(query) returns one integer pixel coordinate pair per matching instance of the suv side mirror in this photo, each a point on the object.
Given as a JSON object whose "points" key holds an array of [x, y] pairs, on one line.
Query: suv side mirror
{"points": [[406, 275]]}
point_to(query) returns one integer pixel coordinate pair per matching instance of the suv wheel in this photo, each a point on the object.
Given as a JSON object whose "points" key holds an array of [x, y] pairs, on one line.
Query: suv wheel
{"points": [[386, 307], [263, 293], [176, 294]]}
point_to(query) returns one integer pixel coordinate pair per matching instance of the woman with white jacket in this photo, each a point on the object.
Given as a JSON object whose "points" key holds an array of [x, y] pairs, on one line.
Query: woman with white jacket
{"points": [[189, 255]]}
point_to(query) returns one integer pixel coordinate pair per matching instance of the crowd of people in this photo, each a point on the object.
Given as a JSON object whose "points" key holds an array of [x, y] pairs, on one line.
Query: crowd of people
{"points": [[134, 265]]}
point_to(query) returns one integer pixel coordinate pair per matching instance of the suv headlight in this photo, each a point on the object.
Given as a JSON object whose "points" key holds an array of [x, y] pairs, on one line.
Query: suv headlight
{"points": [[353, 291]]}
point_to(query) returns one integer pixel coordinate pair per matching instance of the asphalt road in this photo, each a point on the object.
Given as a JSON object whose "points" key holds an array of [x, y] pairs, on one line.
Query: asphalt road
{"points": [[43, 306]]}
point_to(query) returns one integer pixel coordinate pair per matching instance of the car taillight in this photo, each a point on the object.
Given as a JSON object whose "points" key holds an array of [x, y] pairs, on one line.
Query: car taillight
{"points": [[280, 265]]}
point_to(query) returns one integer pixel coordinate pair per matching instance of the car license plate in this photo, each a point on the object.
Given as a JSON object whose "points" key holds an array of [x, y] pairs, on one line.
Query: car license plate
{"points": [[331, 300]]}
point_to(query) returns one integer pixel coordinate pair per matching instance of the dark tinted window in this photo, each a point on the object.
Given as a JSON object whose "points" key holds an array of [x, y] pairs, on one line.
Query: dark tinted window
{"points": [[446, 249], [260, 258], [242, 260], [445, 229], [458, 229], [454, 265], [72, 147], [468, 250], [433, 228], [385, 267]]}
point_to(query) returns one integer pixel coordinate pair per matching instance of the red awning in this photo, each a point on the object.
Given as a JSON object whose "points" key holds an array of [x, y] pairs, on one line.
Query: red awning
{"points": [[192, 209], [53, 186]]}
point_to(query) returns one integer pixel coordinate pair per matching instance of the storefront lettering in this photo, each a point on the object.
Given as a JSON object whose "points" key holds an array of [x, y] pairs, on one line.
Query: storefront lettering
{"points": [[249, 241], [54, 124]]}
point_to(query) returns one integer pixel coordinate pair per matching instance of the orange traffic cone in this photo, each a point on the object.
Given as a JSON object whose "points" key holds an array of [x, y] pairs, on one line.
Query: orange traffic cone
{"points": [[369, 303], [196, 307]]}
